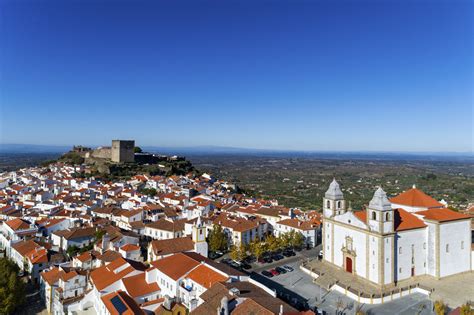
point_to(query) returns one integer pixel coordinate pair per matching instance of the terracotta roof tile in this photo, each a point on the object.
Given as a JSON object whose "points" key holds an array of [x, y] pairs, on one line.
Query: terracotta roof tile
{"points": [[175, 266], [443, 215], [137, 286], [205, 276], [405, 220], [415, 198]]}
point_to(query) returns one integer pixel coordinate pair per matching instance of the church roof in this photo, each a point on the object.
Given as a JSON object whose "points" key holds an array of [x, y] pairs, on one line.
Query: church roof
{"points": [[443, 215], [334, 191], [380, 201], [404, 220], [416, 198], [362, 215]]}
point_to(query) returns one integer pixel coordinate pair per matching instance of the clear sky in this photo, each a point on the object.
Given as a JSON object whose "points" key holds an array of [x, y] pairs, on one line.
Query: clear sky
{"points": [[300, 75]]}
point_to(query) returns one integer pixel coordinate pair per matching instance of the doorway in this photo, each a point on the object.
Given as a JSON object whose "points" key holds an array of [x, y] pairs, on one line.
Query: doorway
{"points": [[349, 264]]}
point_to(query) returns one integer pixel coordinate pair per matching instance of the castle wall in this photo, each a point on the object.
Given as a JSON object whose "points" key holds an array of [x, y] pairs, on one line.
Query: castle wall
{"points": [[101, 153]]}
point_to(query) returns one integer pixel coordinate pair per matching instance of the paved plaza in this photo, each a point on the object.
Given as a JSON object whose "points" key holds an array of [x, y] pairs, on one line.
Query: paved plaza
{"points": [[303, 287], [455, 290]]}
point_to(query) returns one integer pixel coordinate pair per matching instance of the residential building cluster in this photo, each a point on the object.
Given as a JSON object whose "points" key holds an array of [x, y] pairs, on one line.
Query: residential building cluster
{"points": [[114, 247]]}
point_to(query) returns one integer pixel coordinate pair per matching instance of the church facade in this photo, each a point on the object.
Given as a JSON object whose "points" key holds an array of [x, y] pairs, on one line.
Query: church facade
{"points": [[392, 240]]}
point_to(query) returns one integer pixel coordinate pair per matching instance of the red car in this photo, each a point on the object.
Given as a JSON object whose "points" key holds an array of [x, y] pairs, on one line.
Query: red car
{"points": [[274, 272]]}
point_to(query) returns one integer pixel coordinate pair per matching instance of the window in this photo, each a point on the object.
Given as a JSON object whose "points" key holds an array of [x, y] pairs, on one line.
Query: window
{"points": [[373, 252], [387, 216], [374, 215], [424, 245], [462, 244], [400, 250], [447, 248], [399, 270], [386, 260], [339, 205], [328, 204]]}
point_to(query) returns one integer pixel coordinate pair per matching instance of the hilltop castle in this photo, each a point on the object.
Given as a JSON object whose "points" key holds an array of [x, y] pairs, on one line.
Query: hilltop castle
{"points": [[121, 151]]}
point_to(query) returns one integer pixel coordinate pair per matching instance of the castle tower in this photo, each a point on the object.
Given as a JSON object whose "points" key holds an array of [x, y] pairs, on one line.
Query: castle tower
{"points": [[333, 201], [199, 238], [122, 151]]}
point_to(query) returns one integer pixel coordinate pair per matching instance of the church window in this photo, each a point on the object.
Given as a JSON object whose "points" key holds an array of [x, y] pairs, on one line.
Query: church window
{"points": [[462, 244], [387, 216], [447, 248], [374, 215], [339, 205], [400, 250], [424, 245], [328, 204], [400, 270]]}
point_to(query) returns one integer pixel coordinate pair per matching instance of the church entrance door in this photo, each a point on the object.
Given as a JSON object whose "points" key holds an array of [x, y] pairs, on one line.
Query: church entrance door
{"points": [[348, 264]]}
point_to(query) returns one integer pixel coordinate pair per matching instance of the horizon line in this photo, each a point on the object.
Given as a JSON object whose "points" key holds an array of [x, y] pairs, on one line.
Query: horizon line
{"points": [[256, 149]]}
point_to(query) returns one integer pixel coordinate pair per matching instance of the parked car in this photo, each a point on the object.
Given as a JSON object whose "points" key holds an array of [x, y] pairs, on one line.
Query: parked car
{"points": [[289, 253], [320, 255], [280, 270], [268, 260], [274, 272], [245, 266], [219, 253], [288, 268], [267, 274], [226, 261], [277, 257], [235, 264], [213, 255], [261, 260]]}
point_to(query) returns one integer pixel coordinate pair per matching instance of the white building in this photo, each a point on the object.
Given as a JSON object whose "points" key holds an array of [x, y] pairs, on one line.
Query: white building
{"points": [[390, 242]]}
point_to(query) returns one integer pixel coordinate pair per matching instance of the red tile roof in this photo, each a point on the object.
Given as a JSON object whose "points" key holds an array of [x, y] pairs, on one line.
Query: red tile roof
{"points": [[131, 306], [175, 266], [362, 215], [405, 220], [205, 276], [137, 286], [443, 215], [415, 198]]}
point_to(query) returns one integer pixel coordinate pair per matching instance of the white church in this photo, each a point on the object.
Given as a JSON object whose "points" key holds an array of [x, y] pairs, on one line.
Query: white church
{"points": [[410, 235]]}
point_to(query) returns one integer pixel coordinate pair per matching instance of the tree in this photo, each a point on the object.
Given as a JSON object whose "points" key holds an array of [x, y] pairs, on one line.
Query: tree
{"points": [[137, 150], [149, 191], [297, 239], [243, 251], [466, 309], [440, 307], [12, 291], [272, 243], [234, 252], [217, 239], [257, 248]]}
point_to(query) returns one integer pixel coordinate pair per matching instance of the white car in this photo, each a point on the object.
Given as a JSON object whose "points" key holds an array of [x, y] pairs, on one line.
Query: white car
{"points": [[320, 254]]}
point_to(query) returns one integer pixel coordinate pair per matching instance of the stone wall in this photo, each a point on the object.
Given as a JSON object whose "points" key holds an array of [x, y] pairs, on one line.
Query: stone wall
{"points": [[122, 151]]}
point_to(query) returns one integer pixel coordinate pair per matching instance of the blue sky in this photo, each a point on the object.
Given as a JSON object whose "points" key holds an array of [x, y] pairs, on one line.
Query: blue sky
{"points": [[298, 75]]}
